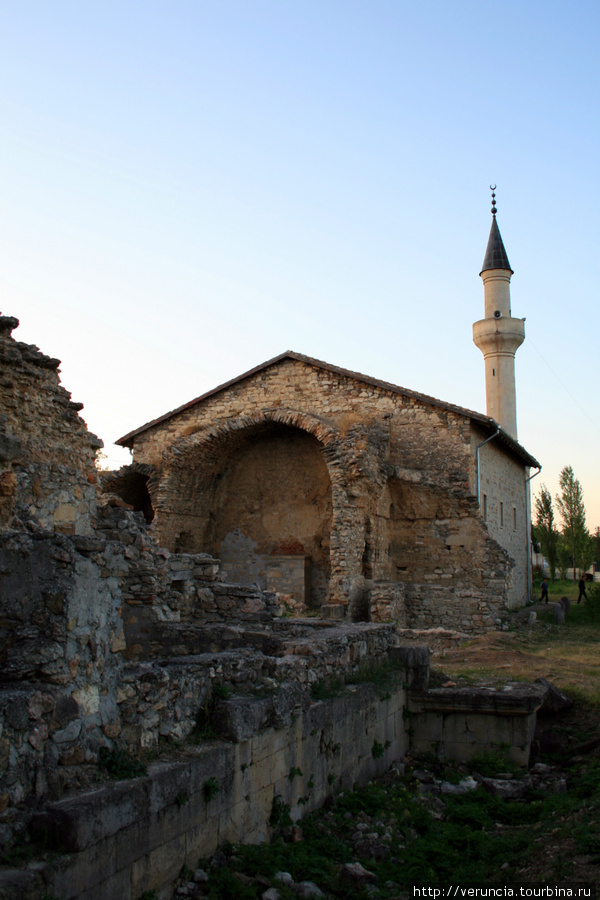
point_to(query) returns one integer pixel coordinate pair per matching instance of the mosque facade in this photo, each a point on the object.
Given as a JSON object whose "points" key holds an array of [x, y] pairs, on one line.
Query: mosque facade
{"points": [[352, 496]]}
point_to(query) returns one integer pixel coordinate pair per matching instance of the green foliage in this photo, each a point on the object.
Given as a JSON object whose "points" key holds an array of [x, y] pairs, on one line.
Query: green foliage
{"points": [[572, 511], [377, 750], [149, 895], [280, 812], [221, 692], [546, 532], [491, 762], [326, 689], [211, 788], [204, 729], [386, 676], [181, 799], [293, 772], [591, 606], [476, 833], [120, 764], [227, 886]]}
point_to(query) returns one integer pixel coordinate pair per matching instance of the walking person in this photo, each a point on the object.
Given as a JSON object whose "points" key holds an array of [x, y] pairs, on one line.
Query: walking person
{"points": [[582, 592], [544, 591]]}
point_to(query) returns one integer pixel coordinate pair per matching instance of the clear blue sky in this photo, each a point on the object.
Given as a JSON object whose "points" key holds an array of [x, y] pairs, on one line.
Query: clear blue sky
{"points": [[189, 188]]}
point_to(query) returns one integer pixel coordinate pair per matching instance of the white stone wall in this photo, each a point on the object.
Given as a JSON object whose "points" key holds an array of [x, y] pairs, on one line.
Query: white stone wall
{"points": [[503, 505]]}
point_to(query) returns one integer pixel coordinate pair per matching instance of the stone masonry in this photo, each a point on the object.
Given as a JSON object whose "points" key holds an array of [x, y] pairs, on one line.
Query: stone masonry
{"points": [[111, 642], [47, 455], [371, 482]]}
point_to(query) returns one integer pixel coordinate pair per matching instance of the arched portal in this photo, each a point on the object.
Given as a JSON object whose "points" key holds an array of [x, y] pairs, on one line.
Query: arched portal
{"points": [[259, 498]]}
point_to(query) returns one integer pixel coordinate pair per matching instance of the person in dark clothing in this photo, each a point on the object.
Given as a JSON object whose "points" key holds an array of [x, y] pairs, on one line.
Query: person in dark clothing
{"points": [[544, 591], [582, 592]]}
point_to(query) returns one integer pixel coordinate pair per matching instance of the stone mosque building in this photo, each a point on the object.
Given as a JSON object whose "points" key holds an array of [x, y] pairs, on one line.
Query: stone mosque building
{"points": [[348, 494]]}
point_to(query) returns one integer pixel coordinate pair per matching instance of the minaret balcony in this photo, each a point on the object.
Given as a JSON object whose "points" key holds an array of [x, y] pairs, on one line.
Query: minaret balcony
{"points": [[502, 336]]}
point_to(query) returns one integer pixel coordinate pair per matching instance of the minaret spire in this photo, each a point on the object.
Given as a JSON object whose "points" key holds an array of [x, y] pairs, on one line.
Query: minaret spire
{"points": [[498, 335]]}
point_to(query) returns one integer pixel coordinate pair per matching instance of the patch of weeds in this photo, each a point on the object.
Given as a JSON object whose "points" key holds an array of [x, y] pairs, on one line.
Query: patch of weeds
{"points": [[385, 676], [437, 678], [211, 788], [491, 762], [377, 750], [293, 772], [468, 843], [204, 729], [186, 873], [120, 764], [311, 783], [21, 853], [331, 778], [327, 689], [220, 692], [149, 895], [591, 607], [225, 885], [181, 799], [280, 812]]}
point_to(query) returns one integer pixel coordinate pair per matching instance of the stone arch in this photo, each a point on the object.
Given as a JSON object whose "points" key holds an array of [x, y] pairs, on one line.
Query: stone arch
{"points": [[262, 493], [132, 484]]}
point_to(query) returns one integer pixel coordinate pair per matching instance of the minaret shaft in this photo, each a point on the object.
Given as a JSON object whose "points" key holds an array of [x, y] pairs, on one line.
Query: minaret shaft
{"points": [[498, 335]]}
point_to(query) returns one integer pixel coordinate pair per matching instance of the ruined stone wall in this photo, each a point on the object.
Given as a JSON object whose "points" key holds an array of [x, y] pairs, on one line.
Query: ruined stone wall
{"points": [[135, 837], [60, 646], [453, 575], [402, 476], [47, 455], [110, 638], [504, 496], [276, 492]]}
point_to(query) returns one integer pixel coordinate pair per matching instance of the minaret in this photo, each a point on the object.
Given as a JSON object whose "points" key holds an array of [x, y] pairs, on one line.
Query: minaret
{"points": [[498, 336]]}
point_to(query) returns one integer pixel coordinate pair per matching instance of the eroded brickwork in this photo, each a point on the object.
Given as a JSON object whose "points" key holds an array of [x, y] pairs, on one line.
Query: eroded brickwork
{"points": [[47, 455], [110, 638], [399, 470]]}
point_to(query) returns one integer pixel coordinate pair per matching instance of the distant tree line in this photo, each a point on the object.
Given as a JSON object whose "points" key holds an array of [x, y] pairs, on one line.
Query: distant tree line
{"points": [[571, 545]]}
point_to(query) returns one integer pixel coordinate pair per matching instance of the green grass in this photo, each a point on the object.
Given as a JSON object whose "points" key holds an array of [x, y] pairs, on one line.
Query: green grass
{"points": [[477, 835], [327, 688], [466, 846], [120, 764], [385, 676]]}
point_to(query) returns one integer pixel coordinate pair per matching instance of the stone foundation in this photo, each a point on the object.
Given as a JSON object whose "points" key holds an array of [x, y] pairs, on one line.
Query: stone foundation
{"points": [[136, 836]]}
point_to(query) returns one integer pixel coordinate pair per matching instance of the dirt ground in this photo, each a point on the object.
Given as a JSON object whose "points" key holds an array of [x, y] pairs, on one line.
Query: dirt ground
{"points": [[569, 656]]}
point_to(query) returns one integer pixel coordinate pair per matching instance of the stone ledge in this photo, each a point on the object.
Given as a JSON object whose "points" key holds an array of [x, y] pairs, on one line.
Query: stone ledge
{"points": [[515, 699], [76, 823]]}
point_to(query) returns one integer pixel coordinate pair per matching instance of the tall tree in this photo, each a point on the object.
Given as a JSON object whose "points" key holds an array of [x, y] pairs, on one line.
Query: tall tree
{"points": [[545, 528], [572, 511]]}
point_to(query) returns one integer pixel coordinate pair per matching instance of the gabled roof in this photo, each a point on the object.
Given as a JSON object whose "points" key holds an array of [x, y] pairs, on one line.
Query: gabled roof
{"points": [[488, 424]]}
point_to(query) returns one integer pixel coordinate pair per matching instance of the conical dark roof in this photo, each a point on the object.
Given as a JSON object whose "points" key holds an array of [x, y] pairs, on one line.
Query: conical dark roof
{"points": [[495, 254]]}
